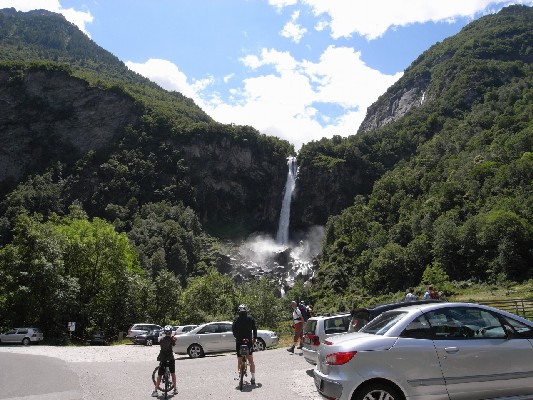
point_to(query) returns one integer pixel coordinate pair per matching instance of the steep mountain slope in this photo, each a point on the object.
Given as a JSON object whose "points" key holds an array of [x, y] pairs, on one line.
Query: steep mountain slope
{"points": [[119, 139], [441, 86], [452, 144]]}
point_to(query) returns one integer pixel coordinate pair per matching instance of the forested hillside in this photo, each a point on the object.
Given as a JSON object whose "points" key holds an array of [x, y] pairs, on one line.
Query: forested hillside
{"points": [[109, 186], [455, 170]]}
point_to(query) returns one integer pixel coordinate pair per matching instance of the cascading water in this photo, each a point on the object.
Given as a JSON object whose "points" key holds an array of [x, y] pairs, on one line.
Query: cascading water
{"points": [[260, 255], [282, 236]]}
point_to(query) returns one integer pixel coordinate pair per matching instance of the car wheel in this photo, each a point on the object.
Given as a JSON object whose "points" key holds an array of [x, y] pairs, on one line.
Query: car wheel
{"points": [[26, 341], [259, 345], [149, 342], [377, 391], [195, 351]]}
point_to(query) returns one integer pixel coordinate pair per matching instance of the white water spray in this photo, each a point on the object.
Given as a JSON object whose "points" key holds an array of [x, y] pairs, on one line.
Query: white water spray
{"points": [[284, 218]]}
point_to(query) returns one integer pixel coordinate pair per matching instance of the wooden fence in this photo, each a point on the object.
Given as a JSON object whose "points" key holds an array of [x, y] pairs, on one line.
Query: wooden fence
{"points": [[521, 307]]}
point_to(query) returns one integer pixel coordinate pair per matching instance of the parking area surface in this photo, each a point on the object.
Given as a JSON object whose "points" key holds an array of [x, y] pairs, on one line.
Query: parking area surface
{"points": [[113, 372]]}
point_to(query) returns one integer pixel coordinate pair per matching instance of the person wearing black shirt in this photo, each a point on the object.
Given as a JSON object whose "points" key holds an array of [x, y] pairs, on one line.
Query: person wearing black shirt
{"points": [[166, 357], [244, 328]]}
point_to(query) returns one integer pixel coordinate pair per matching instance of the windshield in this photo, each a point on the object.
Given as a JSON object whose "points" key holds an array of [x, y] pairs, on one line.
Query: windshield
{"points": [[382, 323]]}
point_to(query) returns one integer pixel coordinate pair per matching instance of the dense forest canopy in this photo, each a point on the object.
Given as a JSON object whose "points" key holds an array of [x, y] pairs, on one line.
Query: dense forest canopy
{"points": [[456, 171], [103, 220]]}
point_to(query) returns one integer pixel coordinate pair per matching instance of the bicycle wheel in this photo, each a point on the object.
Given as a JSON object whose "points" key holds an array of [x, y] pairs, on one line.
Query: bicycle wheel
{"points": [[166, 377], [243, 371], [163, 380], [154, 375]]}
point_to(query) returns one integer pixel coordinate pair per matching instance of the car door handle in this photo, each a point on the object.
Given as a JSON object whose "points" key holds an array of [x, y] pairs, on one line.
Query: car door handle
{"points": [[451, 350]]}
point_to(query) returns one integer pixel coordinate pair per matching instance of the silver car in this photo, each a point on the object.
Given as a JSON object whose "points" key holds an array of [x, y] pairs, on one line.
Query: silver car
{"points": [[317, 329], [141, 328], [22, 335], [441, 351], [217, 337]]}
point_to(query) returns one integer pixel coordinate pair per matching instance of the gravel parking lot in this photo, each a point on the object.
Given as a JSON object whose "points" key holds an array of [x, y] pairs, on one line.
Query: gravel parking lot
{"points": [[124, 371]]}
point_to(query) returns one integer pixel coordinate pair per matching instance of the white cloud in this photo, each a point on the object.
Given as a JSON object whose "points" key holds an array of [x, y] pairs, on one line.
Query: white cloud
{"points": [[279, 4], [371, 19], [292, 30], [286, 104], [78, 18], [167, 75]]}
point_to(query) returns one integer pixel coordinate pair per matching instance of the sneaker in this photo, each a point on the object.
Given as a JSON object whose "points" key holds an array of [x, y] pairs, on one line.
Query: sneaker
{"points": [[154, 393], [291, 349], [252, 381]]}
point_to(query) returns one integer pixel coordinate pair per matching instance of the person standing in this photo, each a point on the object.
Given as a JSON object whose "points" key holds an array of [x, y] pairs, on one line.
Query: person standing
{"points": [[298, 325], [431, 293], [244, 328], [410, 296]]}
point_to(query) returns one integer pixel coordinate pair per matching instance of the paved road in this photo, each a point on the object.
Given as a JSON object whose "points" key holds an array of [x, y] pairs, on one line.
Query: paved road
{"points": [[27, 376]]}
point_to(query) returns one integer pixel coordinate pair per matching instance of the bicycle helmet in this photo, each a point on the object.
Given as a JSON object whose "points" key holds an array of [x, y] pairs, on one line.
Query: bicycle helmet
{"points": [[243, 308], [167, 329]]}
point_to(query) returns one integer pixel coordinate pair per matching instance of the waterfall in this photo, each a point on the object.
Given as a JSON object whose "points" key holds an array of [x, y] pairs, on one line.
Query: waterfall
{"points": [[283, 228]]}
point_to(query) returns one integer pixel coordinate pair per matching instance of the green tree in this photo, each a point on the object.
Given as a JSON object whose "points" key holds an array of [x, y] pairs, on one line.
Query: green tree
{"points": [[208, 298], [261, 297]]}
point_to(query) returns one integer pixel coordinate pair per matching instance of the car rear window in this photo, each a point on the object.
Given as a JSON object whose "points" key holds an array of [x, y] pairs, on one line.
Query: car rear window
{"points": [[336, 325], [310, 326], [383, 322]]}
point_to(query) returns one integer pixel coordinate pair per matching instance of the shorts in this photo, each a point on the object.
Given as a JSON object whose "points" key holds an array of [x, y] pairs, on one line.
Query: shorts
{"points": [[298, 330], [238, 347], [171, 366]]}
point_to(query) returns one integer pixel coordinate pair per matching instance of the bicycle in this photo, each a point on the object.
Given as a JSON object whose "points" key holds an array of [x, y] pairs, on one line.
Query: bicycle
{"points": [[245, 352], [166, 380]]}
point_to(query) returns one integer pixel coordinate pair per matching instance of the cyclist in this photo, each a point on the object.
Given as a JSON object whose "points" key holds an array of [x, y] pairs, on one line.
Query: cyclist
{"points": [[244, 328], [166, 358]]}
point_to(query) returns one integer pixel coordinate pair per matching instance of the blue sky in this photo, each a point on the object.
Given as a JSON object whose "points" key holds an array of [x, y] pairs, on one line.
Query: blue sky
{"points": [[296, 69]]}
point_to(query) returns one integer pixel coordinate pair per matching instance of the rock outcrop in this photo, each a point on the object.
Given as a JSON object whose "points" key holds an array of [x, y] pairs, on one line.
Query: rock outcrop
{"points": [[48, 115]]}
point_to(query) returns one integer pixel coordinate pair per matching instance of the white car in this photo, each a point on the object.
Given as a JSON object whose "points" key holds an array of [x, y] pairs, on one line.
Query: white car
{"points": [[141, 328], [217, 337], [179, 330], [22, 335]]}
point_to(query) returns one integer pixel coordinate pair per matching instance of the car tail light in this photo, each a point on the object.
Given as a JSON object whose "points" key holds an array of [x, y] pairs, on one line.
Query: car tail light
{"points": [[340, 358]]}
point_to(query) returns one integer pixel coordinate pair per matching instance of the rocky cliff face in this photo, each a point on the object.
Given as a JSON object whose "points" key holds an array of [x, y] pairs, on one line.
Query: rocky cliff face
{"points": [[225, 173], [321, 193], [233, 181], [44, 113], [396, 103]]}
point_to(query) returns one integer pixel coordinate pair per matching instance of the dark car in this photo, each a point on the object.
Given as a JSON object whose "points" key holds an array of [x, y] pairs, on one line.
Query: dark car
{"points": [[148, 338], [374, 311], [98, 338]]}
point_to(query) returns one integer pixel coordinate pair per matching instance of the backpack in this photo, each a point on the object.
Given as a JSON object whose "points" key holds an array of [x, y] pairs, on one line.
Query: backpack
{"points": [[166, 344], [303, 310]]}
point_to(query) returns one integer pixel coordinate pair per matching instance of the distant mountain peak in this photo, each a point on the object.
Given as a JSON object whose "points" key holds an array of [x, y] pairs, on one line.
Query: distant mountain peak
{"points": [[41, 12]]}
